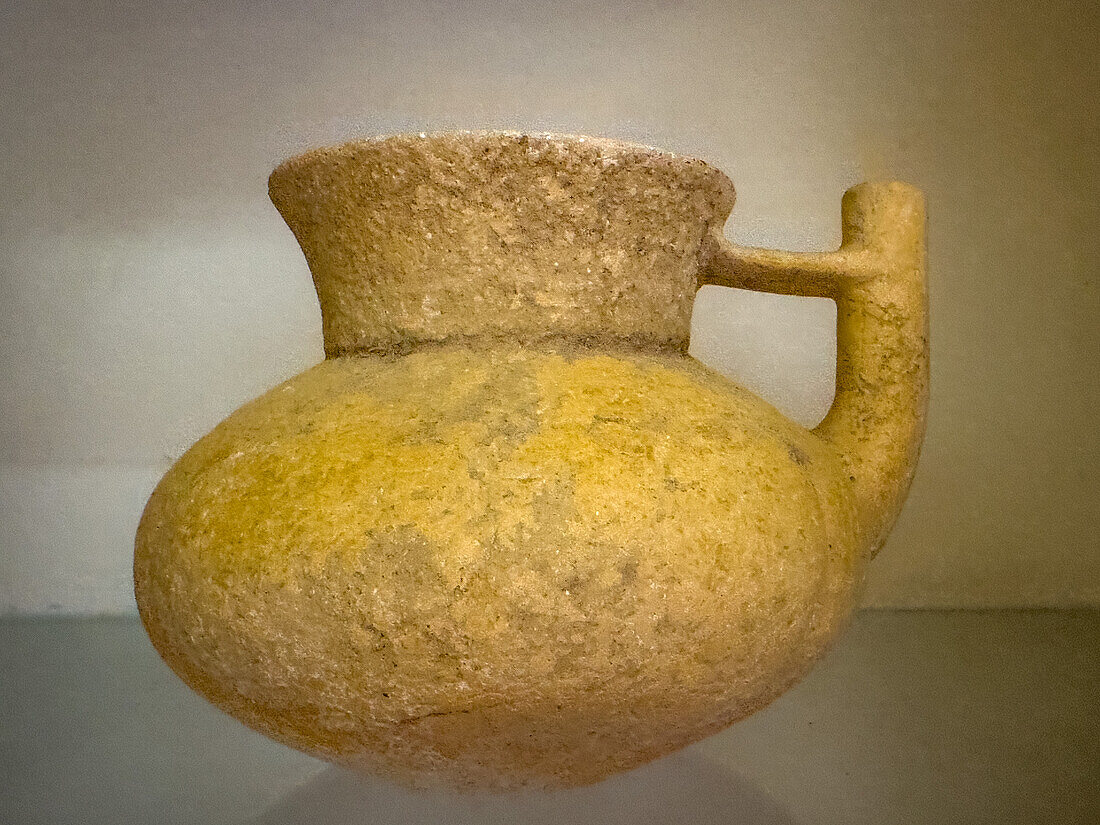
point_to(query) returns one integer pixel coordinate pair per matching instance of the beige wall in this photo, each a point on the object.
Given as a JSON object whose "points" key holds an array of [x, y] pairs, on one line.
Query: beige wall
{"points": [[147, 287]]}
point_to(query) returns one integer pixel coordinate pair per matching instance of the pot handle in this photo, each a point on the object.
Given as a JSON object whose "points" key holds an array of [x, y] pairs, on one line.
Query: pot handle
{"points": [[877, 278]]}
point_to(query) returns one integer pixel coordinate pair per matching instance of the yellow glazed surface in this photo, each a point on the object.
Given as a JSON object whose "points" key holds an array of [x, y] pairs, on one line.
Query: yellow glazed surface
{"points": [[496, 561]]}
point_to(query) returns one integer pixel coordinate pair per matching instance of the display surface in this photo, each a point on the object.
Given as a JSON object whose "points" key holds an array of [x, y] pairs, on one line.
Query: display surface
{"points": [[509, 533]]}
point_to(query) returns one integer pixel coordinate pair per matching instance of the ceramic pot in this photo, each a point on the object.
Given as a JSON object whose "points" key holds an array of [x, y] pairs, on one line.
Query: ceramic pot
{"points": [[508, 533]]}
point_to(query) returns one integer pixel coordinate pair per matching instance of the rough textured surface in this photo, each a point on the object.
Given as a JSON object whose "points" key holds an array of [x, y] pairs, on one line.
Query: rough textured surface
{"points": [[497, 566], [417, 238], [519, 548]]}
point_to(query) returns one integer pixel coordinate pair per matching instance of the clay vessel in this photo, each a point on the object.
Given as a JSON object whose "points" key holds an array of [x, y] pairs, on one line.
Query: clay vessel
{"points": [[508, 533]]}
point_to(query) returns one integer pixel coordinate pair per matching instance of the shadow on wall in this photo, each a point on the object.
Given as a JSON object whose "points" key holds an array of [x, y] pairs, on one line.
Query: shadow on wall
{"points": [[683, 788]]}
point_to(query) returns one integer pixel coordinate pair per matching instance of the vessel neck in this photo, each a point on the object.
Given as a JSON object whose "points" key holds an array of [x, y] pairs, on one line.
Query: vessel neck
{"points": [[414, 239]]}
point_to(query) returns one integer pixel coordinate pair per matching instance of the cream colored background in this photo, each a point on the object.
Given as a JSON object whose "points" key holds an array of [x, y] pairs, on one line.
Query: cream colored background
{"points": [[147, 287]]}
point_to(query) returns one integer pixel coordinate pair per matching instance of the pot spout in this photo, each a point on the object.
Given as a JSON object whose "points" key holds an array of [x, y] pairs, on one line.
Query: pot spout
{"points": [[877, 279]]}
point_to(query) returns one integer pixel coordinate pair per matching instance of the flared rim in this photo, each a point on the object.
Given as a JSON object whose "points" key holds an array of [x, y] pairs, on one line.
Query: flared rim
{"points": [[610, 148]]}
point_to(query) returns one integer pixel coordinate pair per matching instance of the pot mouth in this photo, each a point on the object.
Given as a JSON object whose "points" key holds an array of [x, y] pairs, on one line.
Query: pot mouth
{"points": [[610, 148]]}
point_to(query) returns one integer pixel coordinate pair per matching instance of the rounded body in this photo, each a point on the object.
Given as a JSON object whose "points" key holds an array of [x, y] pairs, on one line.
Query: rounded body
{"points": [[498, 566]]}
